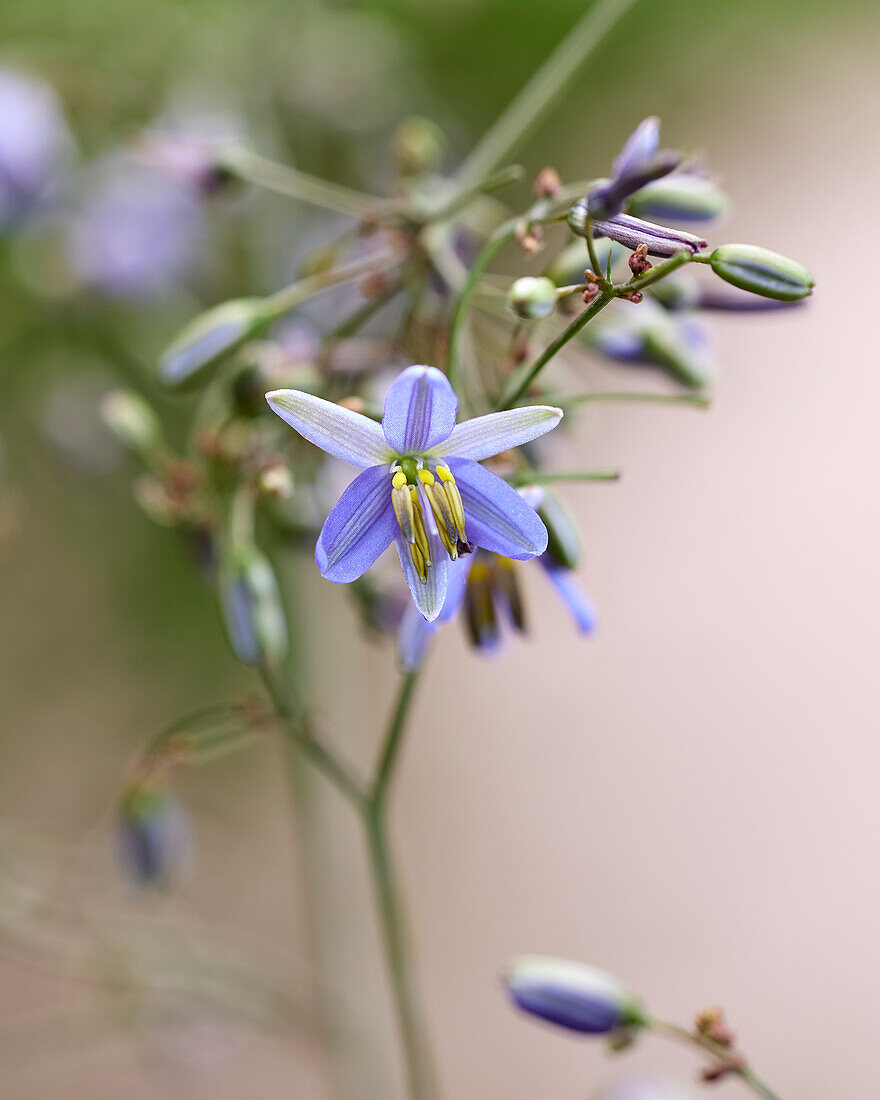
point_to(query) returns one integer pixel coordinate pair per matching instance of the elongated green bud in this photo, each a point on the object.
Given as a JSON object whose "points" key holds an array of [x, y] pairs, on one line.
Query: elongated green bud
{"points": [[192, 357], [252, 607], [679, 198], [134, 423], [563, 540], [532, 298], [569, 266], [762, 272]]}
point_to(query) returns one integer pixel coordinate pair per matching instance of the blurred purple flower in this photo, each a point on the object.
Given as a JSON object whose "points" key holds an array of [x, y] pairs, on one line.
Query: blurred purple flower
{"points": [[137, 231], [35, 144], [156, 844]]}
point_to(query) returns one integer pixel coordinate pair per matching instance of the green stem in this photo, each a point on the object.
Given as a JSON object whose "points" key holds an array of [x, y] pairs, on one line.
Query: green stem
{"points": [[324, 760], [623, 397], [522, 378], [545, 88], [419, 1072], [717, 1052], [548, 477], [656, 273], [284, 180], [282, 301]]}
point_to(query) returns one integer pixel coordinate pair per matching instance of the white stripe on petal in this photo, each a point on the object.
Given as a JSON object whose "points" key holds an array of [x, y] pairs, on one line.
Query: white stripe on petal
{"points": [[428, 595], [338, 431], [484, 436]]}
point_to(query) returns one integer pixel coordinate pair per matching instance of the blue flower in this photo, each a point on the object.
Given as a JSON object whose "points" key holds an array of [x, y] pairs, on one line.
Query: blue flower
{"points": [[422, 487], [487, 588]]}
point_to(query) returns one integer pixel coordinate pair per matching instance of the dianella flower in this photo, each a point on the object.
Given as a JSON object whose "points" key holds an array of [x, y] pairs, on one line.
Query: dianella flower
{"points": [[639, 163], [580, 998], [421, 485], [156, 844]]}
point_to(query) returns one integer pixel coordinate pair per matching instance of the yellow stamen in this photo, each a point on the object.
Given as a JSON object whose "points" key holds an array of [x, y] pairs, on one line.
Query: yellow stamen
{"points": [[426, 477], [418, 527], [399, 480]]}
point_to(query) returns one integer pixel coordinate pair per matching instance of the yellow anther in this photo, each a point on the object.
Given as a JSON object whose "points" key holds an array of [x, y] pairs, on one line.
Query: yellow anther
{"points": [[420, 535], [426, 477], [445, 474], [399, 480], [419, 562]]}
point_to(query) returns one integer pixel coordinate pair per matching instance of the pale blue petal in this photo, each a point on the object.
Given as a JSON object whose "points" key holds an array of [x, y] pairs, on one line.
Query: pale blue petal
{"points": [[359, 528], [338, 431], [427, 595], [496, 516], [416, 632], [484, 436], [420, 410], [413, 638], [573, 596], [639, 147]]}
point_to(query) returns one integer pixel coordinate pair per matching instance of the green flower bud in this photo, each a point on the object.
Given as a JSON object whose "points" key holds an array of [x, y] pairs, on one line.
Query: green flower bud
{"points": [[679, 197], [191, 358], [563, 540], [762, 272], [571, 263], [134, 423], [419, 145], [252, 607], [532, 298]]}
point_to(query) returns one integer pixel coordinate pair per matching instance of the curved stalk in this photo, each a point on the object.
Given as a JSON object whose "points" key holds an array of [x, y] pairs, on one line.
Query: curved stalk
{"points": [[717, 1052]]}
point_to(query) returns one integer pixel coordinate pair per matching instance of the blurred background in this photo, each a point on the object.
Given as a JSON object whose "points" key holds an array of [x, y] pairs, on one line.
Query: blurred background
{"points": [[685, 798]]}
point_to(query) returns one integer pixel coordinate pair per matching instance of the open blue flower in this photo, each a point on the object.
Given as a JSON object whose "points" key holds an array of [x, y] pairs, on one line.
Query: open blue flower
{"points": [[422, 486]]}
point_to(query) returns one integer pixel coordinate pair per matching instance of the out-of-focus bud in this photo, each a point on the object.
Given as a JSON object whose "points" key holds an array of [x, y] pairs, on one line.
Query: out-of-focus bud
{"points": [[156, 844], [480, 617], [276, 480], [532, 298], [762, 272], [607, 198], [35, 144], [658, 239], [134, 423], [679, 197], [569, 266], [547, 183], [563, 541], [252, 608], [580, 998], [678, 291], [190, 359], [419, 145], [188, 159], [678, 343]]}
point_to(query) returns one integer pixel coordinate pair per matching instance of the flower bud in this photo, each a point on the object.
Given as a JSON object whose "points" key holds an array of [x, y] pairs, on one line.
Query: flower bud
{"points": [[680, 197], [156, 844], [658, 239], [532, 298], [762, 272], [572, 995], [563, 541], [191, 358], [569, 266], [419, 145], [252, 607], [134, 423]]}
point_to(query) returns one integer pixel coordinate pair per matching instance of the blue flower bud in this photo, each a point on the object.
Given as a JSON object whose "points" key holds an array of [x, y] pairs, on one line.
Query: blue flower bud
{"points": [[761, 271], [156, 844], [201, 345], [252, 607], [134, 423], [678, 343], [679, 197], [532, 298], [658, 239], [580, 998]]}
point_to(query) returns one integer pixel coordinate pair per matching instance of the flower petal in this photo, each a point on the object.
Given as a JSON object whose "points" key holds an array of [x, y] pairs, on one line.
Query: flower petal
{"points": [[338, 431], [430, 594], [639, 147], [573, 596], [420, 410], [496, 516], [484, 436], [358, 529]]}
